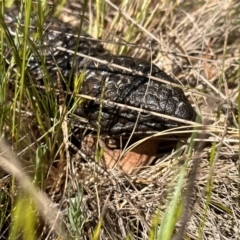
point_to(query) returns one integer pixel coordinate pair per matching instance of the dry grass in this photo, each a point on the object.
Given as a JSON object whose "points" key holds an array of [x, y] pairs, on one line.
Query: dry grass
{"points": [[196, 43]]}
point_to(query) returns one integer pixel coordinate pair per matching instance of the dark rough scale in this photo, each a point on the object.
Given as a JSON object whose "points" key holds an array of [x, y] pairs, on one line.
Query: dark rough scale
{"points": [[133, 90], [55, 34], [115, 85]]}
